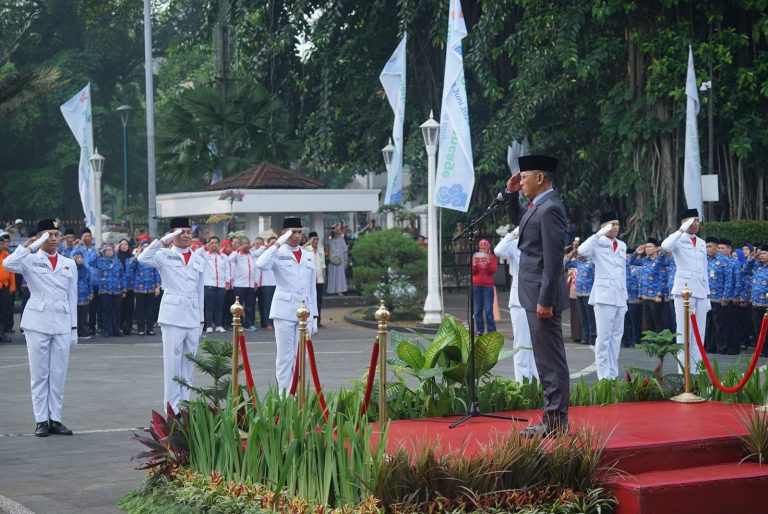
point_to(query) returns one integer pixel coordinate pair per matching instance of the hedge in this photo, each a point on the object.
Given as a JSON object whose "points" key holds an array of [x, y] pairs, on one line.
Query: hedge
{"points": [[737, 231]]}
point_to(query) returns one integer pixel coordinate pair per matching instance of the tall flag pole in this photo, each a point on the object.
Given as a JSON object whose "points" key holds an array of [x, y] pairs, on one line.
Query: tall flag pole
{"points": [[692, 167], [77, 114], [393, 79], [455, 178]]}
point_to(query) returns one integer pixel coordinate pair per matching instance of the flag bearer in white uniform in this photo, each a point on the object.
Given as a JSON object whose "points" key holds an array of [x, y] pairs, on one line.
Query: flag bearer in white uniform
{"points": [[181, 315], [609, 292], [690, 254], [49, 321], [524, 363], [294, 270]]}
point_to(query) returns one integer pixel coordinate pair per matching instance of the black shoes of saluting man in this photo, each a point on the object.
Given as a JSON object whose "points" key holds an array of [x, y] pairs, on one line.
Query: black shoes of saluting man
{"points": [[46, 428]]}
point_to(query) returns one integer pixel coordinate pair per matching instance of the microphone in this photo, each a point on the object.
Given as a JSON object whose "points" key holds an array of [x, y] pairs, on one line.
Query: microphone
{"points": [[496, 201]]}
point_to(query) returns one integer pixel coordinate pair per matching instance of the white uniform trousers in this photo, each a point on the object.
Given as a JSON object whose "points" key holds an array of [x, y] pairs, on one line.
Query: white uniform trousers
{"points": [[176, 342], [287, 341], [48, 362], [701, 307], [609, 320], [525, 364]]}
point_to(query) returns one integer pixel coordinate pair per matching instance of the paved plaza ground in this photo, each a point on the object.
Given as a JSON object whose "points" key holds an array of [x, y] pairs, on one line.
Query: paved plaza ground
{"points": [[114, 383]]}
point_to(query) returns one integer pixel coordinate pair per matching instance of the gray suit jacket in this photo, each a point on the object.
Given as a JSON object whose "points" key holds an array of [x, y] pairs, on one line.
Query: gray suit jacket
{"points": [[541, 243]]}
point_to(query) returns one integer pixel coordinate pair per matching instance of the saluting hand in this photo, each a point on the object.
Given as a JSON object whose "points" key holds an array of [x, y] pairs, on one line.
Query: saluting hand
{"points": [[687, 224], [169, 237], [604, 230], [513, 184], [36, 242]]}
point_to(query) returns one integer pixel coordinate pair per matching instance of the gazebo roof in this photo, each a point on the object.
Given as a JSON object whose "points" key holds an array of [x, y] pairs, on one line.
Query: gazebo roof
{"points": [[267, 176]]}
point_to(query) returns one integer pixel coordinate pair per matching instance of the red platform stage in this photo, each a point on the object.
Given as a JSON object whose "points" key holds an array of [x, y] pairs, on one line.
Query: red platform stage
{"points": [[675, 458]]}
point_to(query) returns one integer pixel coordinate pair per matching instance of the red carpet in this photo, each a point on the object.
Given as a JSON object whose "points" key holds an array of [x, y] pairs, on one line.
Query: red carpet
{"points": [[676, 458]]}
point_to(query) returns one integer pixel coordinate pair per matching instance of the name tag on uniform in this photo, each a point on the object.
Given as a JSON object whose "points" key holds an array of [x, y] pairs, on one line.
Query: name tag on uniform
{"points": [[174, 258], [39, 265], [285, 258]]}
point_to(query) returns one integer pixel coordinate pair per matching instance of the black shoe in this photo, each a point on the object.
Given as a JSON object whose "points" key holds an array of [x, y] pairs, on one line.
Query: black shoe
{"points": [[58, 429], [540, 431], [4, 339], [41, 430], [150, 333]]}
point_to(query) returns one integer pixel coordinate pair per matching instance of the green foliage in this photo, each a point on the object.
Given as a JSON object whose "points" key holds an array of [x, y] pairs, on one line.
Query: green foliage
{"points": [[737, 231], [659, 345], [291, 450], [391, 267], [214, 359], [755, 443]]}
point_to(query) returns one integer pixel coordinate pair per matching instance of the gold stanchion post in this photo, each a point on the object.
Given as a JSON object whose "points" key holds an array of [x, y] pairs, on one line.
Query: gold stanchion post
{"points": [[687, 396], [302, 313], [237, 313], [382, 316], [762, 408]]}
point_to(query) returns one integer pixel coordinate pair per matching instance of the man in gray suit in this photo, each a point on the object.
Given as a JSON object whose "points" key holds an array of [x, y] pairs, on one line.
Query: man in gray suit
{"points": [[542, 288]]}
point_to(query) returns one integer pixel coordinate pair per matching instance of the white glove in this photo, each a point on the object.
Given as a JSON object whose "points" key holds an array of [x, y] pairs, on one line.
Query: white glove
{"points": [[169, 237], [74, 337], [516, 232], [686, 225], [313, 326], [285, 237], [39, 242], [604, 230]]}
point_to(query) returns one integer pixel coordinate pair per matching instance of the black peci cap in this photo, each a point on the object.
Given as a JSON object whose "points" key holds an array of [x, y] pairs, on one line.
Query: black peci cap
{"points": [[689, 213], [312, 234], [608, 216], [726, 242], [180, 223], [713, 240], [653, 241], [47, 225], [69, 232], [292, 222], [537, 163]]}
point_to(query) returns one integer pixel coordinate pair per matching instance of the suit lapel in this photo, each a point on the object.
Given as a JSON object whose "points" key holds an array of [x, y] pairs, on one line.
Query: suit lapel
{"points": [[524, 221]]}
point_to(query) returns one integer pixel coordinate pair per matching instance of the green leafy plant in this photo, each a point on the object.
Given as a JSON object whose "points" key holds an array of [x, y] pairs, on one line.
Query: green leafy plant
{"points": [[755, 443], [659, 345], [214, 359], [167, 447]]}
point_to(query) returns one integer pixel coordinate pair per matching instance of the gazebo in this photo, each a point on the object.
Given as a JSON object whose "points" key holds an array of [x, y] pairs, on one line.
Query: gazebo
{"points": [[271, 192]]}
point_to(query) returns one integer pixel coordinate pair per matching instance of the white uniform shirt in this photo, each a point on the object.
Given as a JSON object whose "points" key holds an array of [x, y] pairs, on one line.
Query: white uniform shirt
{"points": [[52, 305], [215, 269], [507, 248], [295, 281], [244, 272], [182, 303], [610, 286], [319, 263], [691, 262]]}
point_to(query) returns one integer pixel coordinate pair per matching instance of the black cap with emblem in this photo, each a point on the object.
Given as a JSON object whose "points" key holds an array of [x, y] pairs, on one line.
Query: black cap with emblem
{"points": [[689, 213], [537, 163], [43, 225]]}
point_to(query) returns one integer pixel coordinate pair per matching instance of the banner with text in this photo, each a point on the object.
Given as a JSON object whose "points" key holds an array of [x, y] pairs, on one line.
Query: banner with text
{"points": [[77, 113], [393, 80]]}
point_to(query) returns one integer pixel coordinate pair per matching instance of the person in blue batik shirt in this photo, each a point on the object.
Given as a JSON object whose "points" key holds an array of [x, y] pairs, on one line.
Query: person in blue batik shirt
{"points": [[720, 277], [145, 281], [88, 247], [112, 288], [67, 246], [633, 320], [757, 267], [585, 279], [650, 280], [84, 294]]}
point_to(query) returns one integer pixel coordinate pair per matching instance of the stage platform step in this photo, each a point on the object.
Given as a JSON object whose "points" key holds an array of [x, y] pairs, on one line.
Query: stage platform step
{"points": [[729, 488], [669, 457]]}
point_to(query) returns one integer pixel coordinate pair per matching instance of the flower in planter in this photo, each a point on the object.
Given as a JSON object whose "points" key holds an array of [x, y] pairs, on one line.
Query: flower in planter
{"points": [[233, 195]]}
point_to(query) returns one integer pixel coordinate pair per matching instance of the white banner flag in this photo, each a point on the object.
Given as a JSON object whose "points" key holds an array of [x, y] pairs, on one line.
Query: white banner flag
{"points": [[455, 178], [515, 151], [692, 167], [393, 79], [77, 113]]}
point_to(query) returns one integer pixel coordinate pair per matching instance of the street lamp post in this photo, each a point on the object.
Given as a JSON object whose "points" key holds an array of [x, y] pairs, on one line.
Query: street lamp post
{"points": [[125, 112], [97, 166], [433, 306], [388, 151]]}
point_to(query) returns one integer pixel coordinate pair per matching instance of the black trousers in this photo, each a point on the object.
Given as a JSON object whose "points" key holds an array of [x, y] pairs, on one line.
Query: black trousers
{"points": [[213, 310], [93, 311], [652, 311], [265, 293], [127, 313], [549, 354], [82, 320], [633, 321], [229, 299], [145, 311], [744, 333], [587, 317], [668, 315], [6, 309], [110, 314], [757, 322], [248, 300], [320, 291], [719, 328]]}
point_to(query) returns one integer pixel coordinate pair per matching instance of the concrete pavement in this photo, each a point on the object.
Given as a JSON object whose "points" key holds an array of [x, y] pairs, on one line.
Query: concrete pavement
{"points": [[114, 383]]}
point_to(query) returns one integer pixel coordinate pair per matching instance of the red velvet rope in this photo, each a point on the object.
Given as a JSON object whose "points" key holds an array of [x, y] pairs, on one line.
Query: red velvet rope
{"points": [[316, 378], [295, 381], [247, 368], [371, 376], [752, 364]]}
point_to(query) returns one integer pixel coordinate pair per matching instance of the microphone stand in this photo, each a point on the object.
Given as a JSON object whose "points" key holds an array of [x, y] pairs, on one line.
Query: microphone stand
{"points": [[473, 409]]}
